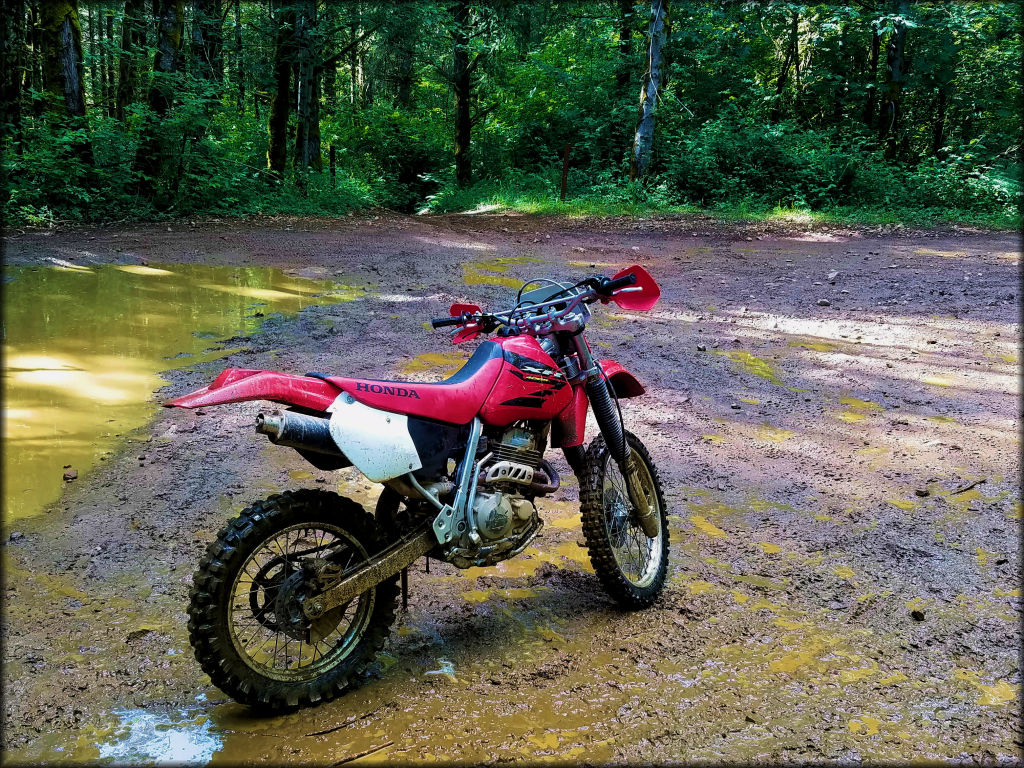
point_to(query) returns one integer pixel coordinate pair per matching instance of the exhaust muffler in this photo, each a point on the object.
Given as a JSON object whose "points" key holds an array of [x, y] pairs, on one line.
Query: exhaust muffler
{"points": [[297, 430]]}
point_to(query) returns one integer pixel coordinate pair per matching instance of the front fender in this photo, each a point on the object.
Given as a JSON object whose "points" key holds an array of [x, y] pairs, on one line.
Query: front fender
{"points": [[237, 384], [568, 427], [623, 382]]}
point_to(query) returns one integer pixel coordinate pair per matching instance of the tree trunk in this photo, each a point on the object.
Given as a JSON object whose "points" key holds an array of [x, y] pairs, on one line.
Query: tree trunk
{"points": [[94, 79], [330, 88], [313, 146], [101, 44], [34, 70], [208, 39], [166, 64], [843, 87], [108, 48], [101, 49], [353, 69], [12, 65], [625, 44], [238, 57], [133, 38], [643, 141], [405, 55], [63, 71], [872, 97], [307, 101], [461, 86], [939, 123], [280, 104], [791, 56], [890, 118], [945, 78]]}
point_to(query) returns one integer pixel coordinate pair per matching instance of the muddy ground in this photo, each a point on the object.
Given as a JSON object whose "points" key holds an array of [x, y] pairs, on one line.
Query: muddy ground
{"points": [[835, 416]]}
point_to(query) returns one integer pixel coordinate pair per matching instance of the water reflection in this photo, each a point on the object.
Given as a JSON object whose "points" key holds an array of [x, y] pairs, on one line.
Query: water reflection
{"points": [[83, 348]]}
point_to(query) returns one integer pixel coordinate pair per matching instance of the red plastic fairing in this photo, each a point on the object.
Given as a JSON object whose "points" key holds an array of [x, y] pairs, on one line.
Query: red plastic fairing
{"points": [[642, 295], [452, 403], [467, 332], [530, 385], [569, 426], [237, 384]]}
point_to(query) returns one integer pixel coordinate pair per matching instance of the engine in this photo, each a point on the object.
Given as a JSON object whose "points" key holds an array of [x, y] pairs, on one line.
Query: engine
{"points": [[509, 479], [498, 514]]}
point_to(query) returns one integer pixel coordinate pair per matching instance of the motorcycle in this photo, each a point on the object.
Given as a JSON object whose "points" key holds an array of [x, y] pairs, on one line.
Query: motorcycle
{"points": [[297, 594]]}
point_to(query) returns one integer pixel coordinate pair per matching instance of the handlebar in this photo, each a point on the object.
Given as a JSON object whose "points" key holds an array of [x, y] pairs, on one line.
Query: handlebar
{"points": [[584, 292], [441, 322], [607, 286]]}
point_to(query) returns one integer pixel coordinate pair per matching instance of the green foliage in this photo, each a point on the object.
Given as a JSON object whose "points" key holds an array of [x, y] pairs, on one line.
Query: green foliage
{"points": [[547, 76], [736, 158]]}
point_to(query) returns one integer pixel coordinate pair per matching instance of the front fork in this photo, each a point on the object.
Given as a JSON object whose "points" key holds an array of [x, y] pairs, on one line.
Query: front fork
{"points": [[607, 417]]}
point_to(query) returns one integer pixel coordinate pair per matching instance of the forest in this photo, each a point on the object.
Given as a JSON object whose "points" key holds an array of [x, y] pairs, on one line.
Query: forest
{"points": [[144, 109]]}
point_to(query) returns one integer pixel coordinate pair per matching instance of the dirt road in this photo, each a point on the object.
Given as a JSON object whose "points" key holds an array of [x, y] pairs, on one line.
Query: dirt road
{"points": [[835, 417]]}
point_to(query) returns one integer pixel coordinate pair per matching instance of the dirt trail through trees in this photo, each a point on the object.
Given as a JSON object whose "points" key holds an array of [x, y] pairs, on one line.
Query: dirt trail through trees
{"points": [[835, 416]]}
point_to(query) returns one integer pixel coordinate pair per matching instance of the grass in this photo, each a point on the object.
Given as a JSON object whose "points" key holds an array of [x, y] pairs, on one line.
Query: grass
{"points": [[503, 200]]}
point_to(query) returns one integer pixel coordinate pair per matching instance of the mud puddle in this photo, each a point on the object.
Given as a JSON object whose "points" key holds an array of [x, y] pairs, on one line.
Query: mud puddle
{"points": [[134, 736], [83, 348]]}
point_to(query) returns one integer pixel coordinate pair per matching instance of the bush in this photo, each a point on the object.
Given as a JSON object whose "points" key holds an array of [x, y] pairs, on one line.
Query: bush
{"points": [[733, 158]]}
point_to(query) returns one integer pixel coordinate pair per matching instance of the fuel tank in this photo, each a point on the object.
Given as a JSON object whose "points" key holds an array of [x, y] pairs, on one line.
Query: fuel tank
{"points": [[529, 385]]}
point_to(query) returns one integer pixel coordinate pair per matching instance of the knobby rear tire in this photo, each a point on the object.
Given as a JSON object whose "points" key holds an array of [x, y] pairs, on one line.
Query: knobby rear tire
{"points": [[212, 594], [598, 527]]}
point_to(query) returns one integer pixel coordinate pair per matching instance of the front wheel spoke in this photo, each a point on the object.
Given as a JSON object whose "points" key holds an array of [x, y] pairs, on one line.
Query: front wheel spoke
{"points": [[641, 561]]}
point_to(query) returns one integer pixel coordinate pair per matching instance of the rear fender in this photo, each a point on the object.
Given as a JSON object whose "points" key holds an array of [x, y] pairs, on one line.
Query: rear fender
{"points": [[237, 384], [569, 426]]}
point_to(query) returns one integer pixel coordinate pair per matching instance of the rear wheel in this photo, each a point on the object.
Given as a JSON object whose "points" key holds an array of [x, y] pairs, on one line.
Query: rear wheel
{"points": [[246, 621], [630, 566]]}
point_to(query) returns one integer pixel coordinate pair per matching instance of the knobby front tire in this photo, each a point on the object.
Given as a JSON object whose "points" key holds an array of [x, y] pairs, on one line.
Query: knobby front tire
{"points": [[245, 621], [630, 566]]}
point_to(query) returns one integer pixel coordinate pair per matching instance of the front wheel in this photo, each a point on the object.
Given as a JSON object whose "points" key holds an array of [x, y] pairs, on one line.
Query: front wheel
{"points": [[246, 621], [630, 566]]}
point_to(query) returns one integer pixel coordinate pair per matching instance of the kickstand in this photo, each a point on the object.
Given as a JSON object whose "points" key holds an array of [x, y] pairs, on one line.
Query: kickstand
{"points": [[405, 589]]}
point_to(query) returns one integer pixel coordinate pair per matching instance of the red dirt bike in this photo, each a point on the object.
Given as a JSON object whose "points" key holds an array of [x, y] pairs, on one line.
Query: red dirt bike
{"points": [[296, 596]]}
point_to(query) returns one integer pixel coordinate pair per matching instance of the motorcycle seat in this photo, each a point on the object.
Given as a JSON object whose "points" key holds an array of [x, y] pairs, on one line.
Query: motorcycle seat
{"points": [[456, 400]]}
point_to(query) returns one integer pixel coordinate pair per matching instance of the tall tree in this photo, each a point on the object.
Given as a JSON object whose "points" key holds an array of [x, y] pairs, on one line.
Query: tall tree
{"points": [[63, 66], [643, 140], [108, 53], [239, 77], [34, 66], [95, 84], [871, 100], [890, 119], [307, 96], [624, 46], [168, 61], [12, 64], [461, 87], [208, 39], [791, 59], [405, 53], [280, 103], [133, 39], [943, 77]]}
